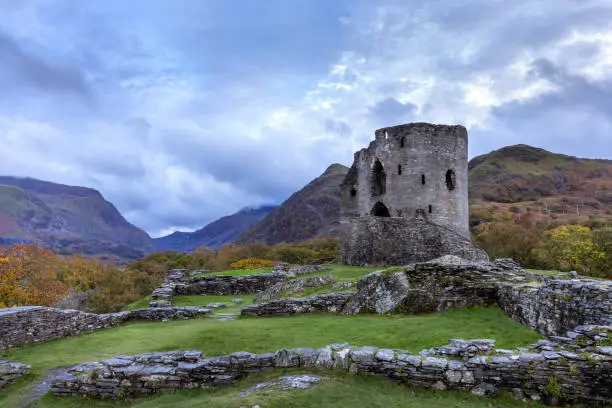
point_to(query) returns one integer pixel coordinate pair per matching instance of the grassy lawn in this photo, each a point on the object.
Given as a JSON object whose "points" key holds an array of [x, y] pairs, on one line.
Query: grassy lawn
{"points": [[341, 272], [260, 335], [345, 273], [203, 300], [237, 272], [139, 304], [339, 390]]}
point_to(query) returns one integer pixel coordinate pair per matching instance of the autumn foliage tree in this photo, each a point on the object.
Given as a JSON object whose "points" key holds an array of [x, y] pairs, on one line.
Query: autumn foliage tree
{"points": [[28, 276]]}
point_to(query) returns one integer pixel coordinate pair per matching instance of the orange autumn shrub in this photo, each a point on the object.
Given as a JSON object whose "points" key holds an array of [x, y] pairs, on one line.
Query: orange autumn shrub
{"points": [[252, 263], [28, 276]]}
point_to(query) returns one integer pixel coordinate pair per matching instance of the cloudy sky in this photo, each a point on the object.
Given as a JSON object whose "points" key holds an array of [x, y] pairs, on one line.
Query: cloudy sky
{"points": [[182, 111]]}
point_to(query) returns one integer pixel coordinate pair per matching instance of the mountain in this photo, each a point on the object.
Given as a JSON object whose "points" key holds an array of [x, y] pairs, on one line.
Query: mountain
{"points": [[540, 186], [216, 234], [524, 173], [66, 219], [312, 211]]}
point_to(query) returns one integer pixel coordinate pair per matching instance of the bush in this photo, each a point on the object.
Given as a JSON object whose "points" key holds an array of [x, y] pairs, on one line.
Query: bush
{"points": [[252, 263]]}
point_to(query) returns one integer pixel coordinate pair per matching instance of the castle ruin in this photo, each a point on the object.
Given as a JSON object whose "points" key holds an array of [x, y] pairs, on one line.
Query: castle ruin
{"points": [[405, 198]]}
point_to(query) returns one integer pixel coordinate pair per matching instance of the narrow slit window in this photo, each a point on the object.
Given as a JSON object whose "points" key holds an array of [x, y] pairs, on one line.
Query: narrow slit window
{"points": [[399, 169], [402, 142], [379, 179], [422, 179], [451, 180], [430, 209]]}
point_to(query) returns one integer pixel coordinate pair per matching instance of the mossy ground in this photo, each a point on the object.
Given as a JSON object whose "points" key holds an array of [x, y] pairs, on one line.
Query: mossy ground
{"points": [[260, 335]]}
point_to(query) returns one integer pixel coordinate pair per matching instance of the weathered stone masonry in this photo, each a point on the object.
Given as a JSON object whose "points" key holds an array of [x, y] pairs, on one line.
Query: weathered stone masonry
{"points": [[558, 305], [30, 324], [227, 285], [571, 368], [11, 372], [181, 282], [405, 198], [327, 303]]}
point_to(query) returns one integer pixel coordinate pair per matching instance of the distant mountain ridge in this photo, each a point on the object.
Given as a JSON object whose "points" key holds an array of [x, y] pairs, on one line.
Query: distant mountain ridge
{"points": [[525, 173], [66, 219], [223, 231], [311, 212]]}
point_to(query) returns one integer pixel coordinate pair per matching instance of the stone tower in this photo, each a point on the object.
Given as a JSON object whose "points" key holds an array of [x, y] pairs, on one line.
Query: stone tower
{"points": [[405, 199]]}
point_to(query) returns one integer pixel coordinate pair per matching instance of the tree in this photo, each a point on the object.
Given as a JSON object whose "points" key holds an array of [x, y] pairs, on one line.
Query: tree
{"points": [[510, 240], [572, 247], [28, 276]]}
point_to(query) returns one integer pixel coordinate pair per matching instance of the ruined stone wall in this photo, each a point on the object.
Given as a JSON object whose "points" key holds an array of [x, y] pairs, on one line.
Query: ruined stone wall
{"points": [[182, 282], [415, 159], [399, 241], [30, 324], [558, 305], [329, 303], [11, 371], [551, 371], [227, 285]]}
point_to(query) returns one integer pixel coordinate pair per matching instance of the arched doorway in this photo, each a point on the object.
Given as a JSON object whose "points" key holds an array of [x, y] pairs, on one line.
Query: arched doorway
{"points": [[380, 210]]}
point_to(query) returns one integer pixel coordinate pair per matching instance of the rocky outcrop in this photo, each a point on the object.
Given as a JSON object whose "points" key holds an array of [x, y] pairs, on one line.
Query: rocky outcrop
{"points": [[434, 286], [378, 292], [30, 324], [329, 302], [573, 368], [290, 287], [11, 372]]}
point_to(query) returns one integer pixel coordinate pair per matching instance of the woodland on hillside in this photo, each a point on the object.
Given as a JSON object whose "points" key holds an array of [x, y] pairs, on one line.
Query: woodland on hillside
{"points": [[30, 275]]}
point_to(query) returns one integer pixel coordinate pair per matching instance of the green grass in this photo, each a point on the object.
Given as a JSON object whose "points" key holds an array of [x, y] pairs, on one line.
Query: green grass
{"points": [[237, 272], [345, 273], [543, 272], [139, 304], [13, 199], [556, 273], [339, 391], [203, 300], [199, 300], [260, 335]]}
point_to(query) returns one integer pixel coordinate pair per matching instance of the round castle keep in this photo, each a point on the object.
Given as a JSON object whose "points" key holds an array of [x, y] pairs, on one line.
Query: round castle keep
{"points": [[405, 199]]}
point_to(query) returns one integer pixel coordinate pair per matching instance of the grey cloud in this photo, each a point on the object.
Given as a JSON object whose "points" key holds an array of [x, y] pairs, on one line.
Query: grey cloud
{"points": [[17, 63], [390, 111], [575, 119], [338, 127]]}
